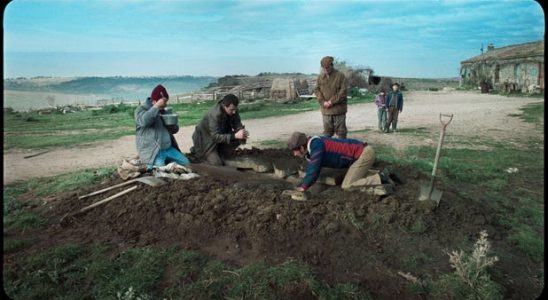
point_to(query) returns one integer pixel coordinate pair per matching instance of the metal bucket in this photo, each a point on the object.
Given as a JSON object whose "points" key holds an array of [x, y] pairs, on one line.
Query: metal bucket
{"points": [[170, 119]]}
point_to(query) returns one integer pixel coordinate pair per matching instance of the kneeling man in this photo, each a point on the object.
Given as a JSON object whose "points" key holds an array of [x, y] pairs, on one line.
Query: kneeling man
{"points": [[323, 151]]}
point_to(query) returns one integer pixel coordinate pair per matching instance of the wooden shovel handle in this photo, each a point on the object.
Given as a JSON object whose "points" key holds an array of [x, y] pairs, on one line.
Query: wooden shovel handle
{"points": [[444, 124], [108, 199], [108, 189], [67, 217]]}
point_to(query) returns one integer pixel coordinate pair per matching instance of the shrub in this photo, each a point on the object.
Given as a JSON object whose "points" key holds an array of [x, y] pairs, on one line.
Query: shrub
{"points": [[470, 280]]}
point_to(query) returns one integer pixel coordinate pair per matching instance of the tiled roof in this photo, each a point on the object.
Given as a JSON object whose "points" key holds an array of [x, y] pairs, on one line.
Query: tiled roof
{"points": [[511, 52]]}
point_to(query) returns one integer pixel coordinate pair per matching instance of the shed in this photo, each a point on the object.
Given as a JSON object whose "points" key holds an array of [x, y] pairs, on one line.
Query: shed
{"points": [[287, 89], [517, 67]]}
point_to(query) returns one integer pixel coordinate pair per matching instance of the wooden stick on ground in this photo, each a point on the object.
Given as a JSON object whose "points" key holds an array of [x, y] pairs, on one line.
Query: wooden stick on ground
{"points": [[36, 154], [66, 218], [107, 199], [107, 189]]}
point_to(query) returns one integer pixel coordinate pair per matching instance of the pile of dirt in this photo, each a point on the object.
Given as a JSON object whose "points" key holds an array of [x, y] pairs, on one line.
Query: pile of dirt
{"points": [[241, 217]]}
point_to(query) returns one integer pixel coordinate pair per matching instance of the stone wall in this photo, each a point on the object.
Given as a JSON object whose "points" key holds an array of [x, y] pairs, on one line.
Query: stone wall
{"points": [[507, 76]]}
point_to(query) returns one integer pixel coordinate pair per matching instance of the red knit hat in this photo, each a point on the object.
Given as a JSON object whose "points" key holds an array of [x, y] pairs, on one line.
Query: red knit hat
{"points": [[158, 92]]}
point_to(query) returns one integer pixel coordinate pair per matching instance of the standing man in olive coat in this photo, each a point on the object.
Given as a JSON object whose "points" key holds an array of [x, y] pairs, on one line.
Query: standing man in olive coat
{"points": [[331, 93], [219, 132]]}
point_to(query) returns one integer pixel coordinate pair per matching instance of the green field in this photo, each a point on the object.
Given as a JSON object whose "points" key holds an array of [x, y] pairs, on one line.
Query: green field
{"points": [[29, 130]]}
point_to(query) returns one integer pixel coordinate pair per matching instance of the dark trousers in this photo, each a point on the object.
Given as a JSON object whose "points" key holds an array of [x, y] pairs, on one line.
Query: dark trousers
{"points": [[392, 119], [222, 151], [335, 124]]}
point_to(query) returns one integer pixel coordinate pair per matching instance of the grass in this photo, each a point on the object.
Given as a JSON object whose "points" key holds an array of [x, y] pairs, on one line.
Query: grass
{"points": [[29, 130], [15, 214], [74, 271], [483, 174], [33, 131], [413, 263], [80, 271], [533, 113], [471, 278], [418, 227], [427, 84], [516, 197], [273, 144], [419, 131], [13, 245]]}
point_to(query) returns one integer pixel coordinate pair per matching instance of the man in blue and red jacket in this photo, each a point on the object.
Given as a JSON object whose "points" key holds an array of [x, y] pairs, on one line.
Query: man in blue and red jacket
{"points": [[323, 151]]}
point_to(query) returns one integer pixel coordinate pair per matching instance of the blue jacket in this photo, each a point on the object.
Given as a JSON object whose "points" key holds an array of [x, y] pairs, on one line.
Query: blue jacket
{"points": [[395, 96], [329, 152]]}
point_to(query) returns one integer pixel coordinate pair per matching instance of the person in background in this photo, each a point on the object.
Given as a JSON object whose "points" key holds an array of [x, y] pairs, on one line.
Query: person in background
{"points": [[155, 142], [329, 152], [219, 132], [394, 103], [380, 101], [331, 93]]}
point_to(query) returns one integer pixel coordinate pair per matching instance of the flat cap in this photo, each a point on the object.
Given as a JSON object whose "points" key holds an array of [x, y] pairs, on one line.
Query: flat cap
{"points": [[297, 140]]}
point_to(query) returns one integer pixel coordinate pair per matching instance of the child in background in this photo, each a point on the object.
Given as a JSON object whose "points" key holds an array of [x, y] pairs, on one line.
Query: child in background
{"points": [[380, 101]]}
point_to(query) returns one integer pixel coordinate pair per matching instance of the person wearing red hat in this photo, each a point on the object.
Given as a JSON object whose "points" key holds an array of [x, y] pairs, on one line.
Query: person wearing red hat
{"points": [[156, 144]]}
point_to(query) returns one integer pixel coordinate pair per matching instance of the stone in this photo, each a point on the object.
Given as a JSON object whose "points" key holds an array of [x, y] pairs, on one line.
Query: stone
{"points": [[295, 195], [331, 176], [284, 169], [328, 176], [293, 179], [257, 164], [317, 188]]}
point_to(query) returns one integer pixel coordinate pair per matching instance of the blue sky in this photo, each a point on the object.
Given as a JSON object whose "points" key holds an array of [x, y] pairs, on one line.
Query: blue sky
{"points": [[426, 39]]}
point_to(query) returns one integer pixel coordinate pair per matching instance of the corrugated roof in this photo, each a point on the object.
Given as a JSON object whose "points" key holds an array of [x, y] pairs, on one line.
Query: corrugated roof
{"points": [[530, 49]]}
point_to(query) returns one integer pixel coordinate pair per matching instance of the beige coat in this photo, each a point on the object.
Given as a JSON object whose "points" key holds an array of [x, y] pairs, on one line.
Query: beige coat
{"points": [[332, 88]]}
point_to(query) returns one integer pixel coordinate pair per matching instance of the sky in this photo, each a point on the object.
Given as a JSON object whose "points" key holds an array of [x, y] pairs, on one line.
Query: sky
{"points": [[421, 39]]}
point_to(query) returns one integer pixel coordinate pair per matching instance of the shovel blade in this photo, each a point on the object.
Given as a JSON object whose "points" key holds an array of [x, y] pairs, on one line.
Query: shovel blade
{"points": [[150, 180], [435, 196]]}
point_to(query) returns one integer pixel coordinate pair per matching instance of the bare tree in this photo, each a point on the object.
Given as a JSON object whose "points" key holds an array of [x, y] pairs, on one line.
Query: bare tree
{"points": [[355, 75]]}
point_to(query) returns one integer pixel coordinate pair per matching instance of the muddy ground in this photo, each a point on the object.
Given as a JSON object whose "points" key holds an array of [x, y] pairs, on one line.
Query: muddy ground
{"points": [[241, 217]]}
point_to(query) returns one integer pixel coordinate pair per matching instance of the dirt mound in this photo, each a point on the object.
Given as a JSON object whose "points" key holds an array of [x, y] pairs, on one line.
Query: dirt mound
{"points": [[241, 217]]}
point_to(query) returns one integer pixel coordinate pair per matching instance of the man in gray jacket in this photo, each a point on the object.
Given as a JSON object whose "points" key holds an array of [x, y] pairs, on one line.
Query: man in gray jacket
{"points": [[156, 145], [219, 132]]}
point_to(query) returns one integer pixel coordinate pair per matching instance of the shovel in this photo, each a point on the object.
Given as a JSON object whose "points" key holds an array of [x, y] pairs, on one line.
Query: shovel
{"points": [[429, 192], [148, 180]]}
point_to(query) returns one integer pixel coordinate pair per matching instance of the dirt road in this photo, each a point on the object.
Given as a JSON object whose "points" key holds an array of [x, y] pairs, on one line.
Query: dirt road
{"points": [[474, 115]]}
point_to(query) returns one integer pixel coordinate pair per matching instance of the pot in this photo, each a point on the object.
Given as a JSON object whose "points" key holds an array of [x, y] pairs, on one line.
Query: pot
{"points": [[170, 119]]}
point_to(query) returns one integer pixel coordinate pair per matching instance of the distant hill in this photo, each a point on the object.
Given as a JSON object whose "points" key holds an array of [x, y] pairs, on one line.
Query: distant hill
{"points": [[118, 87]]}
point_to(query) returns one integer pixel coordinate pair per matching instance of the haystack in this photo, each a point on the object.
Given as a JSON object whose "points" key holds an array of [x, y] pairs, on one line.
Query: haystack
{"points": [[288, 89]]}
